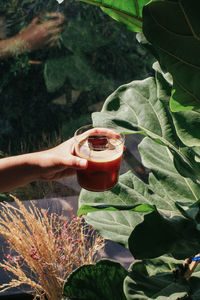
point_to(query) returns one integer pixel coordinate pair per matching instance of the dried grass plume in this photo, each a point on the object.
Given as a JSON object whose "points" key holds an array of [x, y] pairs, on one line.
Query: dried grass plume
{"points": [[44, 249]]}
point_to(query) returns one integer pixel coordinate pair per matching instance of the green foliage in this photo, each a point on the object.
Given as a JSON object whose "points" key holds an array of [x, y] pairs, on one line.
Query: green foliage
{"points": [[173, 29], [158, 221], [94, 55], [142, 106], [166, 190], [156, 278], [166, 226], [128, 12], [27, 113], [101, 281]]}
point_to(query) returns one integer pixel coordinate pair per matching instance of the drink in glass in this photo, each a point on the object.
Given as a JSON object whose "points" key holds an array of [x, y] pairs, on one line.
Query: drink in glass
{"points": [[104, 155]]}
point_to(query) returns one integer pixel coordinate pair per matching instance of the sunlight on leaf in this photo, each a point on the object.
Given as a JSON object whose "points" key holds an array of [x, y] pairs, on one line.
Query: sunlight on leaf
{"points": [[154, 279]]}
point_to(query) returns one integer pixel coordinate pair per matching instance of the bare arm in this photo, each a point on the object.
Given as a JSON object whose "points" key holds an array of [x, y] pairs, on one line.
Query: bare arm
{"points": [[52, 164], [37, 35]]}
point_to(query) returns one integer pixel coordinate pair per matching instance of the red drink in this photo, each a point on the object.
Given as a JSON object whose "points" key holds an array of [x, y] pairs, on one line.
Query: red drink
{"points": [[104, 157]]}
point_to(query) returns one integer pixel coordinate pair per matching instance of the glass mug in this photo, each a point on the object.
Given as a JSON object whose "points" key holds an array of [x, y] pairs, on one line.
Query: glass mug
{"points": [[103, 153]]}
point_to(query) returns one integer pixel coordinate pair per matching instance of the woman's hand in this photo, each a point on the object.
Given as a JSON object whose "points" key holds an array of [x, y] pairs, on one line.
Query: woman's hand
{"points": [[52, 164], [40, 32]]}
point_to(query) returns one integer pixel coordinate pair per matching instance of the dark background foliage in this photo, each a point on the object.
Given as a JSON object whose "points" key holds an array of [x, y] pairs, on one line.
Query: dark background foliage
{"points": [[102, 53]]}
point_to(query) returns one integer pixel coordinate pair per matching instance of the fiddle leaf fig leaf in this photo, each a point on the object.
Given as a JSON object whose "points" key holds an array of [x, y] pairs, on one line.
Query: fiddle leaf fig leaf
{"points": [[173, 27], [115, 225], [155, 279], [190, 211], [167, 191], [129, 193], [84, 209], [169, 183], [187, 125], [194, 283], [104, 280], [117, 221], [160, 234], [166, 182], [128, 12]]}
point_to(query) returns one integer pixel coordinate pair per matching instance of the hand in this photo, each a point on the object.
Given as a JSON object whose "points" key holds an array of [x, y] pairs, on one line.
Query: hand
{"points": [[61, 161], [40, 32], [52, 164]]}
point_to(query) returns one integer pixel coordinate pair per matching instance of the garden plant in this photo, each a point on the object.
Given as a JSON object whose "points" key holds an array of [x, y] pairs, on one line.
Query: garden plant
{"points": [[159, 222], [43, 248]]}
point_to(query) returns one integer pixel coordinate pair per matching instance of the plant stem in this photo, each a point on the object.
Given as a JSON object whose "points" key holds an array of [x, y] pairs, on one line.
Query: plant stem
{"points": [[191, 267]]}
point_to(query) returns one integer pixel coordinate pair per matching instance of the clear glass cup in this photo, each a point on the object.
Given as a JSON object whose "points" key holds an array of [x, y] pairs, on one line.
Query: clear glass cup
{"points": [[103, 153]]}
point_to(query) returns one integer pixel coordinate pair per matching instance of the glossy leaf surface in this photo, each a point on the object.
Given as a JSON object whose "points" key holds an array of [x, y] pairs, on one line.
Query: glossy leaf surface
{"points": [[154, 279], [101, 281], [142, 107], [128, 12]]}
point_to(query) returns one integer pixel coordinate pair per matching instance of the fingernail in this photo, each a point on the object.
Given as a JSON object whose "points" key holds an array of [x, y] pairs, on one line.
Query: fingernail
{"points": [[83, 163]]}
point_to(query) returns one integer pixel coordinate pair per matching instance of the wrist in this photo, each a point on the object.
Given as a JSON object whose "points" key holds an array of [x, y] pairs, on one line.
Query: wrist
{"points": [[18, 170], [32, 165]]}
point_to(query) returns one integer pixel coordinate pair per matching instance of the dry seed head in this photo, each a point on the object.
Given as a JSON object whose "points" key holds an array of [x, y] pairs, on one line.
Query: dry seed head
{"points": [[49, 248]]}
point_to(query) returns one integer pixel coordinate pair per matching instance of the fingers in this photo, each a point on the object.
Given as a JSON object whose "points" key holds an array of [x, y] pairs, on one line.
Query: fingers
{"points": [[76, 162], [35, 21], [55, 15], [100, 131], [103, 131], [53, 20], [55, 30], [52, 41]]}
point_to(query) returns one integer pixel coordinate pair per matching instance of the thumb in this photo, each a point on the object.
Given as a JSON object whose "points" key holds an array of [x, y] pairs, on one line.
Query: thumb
{"points": [[35, 21], [77, 162]]}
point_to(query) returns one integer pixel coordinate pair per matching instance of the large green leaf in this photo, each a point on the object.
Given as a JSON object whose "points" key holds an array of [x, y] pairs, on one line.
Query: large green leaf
{"points": [[101, 281], [180, 232], [168, 191], [176, 235], [194, 284], [128, 12], [115, 225], [173, 29], [142, 106], [161, 278], [128, 193], [187, 125], [166, 187], [84, 209], [169, 184], [154, 279]]}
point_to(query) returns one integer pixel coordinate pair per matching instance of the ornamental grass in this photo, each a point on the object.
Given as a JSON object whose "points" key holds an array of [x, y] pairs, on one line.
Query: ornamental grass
{"points": [[44, 248]]}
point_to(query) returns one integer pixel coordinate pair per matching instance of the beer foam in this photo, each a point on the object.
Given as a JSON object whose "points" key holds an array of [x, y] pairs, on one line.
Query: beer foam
{"points": [[114, 150]]}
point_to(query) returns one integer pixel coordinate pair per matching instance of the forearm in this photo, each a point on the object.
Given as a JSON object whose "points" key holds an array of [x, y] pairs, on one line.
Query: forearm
{"points": [[18, 170], [12, 46]]}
